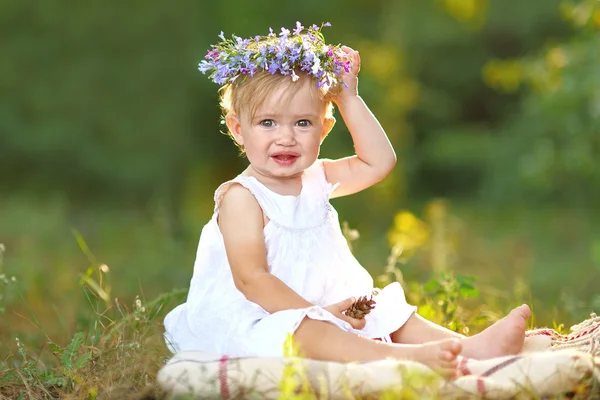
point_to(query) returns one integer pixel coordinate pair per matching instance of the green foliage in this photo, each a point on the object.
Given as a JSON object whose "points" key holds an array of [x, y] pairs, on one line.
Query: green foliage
{"points": [[72, 360], [554, 140], [443, 302], [124, 116], [87, 366]]}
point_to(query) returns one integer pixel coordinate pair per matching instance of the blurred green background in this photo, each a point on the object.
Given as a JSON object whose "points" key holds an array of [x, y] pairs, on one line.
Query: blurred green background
{"points": [[108, 130]]}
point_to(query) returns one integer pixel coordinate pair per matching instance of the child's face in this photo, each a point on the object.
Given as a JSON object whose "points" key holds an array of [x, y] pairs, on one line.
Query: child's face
{"points": [[284, 137]]}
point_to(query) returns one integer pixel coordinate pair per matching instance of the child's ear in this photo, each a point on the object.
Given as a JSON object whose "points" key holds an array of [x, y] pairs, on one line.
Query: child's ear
{"points": [[235, 128], [327, 127]]}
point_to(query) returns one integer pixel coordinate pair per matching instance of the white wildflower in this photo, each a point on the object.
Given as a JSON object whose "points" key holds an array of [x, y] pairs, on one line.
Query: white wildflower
{"points": [[316, 66], [138, 305]]}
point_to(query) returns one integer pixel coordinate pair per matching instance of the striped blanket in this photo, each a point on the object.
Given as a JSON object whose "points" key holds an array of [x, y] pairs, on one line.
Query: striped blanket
{"points": [[550, 364]]}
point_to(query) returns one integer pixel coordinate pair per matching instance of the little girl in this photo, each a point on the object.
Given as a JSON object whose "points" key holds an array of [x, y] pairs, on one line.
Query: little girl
{"points": [[272, 261]]}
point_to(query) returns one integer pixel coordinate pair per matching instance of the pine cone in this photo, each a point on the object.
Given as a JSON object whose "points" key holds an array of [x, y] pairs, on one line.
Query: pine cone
{"points": [[361, 307]]}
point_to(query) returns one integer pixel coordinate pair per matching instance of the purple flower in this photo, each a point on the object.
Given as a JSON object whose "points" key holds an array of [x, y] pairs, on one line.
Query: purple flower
{"points": [[327, 24], [212, 55], [284, 32], [273, 67], [295, 54], [204, 66], [309, 55], [241, 43], [220, 79], [299, 28]]}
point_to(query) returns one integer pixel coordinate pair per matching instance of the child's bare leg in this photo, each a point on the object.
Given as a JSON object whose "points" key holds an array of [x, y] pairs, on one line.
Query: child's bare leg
{"points": [[505, 337], [321, 340], [420, 330]]}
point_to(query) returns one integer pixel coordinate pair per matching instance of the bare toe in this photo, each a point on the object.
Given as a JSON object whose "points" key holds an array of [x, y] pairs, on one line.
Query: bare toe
{"points": [[447, 356], [523, 311], [453, 346]]}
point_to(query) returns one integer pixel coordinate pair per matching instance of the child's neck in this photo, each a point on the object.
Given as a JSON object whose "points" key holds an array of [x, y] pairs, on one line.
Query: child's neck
{"points": [[285, 186]]}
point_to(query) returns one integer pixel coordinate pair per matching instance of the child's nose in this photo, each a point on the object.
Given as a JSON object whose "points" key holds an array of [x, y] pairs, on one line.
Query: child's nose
{"points": [[287, 136]]}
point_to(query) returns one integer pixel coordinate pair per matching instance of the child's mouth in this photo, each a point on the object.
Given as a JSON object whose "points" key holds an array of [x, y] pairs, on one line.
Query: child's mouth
{"points": [[284, 158]]}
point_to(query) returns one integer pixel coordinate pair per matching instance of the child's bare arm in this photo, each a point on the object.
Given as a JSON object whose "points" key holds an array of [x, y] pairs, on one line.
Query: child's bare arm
{"points": [[241, 222], [375, 157]]}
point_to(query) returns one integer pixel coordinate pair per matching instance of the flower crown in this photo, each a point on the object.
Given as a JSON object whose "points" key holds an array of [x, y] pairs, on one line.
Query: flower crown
{"points": [[302, 49]]}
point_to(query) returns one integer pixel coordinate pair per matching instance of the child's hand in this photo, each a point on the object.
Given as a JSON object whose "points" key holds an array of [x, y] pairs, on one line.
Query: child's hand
{"points": [[350, 79], [338, 309]]}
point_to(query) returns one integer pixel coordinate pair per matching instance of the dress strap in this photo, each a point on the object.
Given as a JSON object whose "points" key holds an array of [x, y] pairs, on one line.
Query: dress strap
{"points": [[305, 211], [254, 187], [316, 182]]}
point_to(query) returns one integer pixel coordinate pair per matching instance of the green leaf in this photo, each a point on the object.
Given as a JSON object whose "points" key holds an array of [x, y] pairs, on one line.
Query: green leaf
{"points": [[49, 379], [427, 312], [465, 280], [81, 361], [71, 351], [432, 286], [468, 292], [56, 349]]}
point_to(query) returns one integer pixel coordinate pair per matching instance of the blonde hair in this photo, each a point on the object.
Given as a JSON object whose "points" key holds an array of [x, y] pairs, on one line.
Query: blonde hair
{"points": [[248, 95]]}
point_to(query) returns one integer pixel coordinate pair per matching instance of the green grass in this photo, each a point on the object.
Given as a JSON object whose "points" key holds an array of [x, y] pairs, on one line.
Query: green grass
{"points": [[85, 324]]}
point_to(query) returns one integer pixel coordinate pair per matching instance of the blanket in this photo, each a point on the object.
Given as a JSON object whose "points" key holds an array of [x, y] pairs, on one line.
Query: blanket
{"points": [[550, 364]]}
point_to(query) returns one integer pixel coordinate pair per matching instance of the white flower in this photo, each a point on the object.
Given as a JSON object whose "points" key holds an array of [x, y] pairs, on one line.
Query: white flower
{"points": [[138, 305], [294, 76], [316, 66]]}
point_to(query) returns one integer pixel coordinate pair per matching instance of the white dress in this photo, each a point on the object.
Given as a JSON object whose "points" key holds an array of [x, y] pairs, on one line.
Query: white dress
{"points": [[306, 250]]}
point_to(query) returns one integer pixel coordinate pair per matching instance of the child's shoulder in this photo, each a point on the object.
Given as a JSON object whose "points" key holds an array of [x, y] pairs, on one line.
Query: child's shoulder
{"points": [[239, 203], [235, 193]]}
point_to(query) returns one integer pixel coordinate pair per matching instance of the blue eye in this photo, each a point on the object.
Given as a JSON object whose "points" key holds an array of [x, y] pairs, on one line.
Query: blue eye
{"points": [[304, 123], [267, 123]]}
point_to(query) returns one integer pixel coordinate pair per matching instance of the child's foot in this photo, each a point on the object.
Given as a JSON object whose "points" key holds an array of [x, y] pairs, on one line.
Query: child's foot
{"points": [[439, 356], [503, 338]]}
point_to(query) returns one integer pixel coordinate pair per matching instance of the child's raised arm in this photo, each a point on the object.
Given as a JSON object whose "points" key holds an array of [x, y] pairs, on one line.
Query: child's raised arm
{"points": [[375, 157]]}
